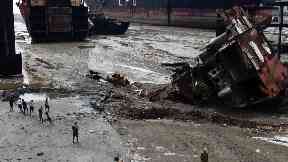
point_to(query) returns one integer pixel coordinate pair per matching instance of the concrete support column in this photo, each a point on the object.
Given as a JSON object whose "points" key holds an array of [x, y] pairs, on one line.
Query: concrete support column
{"points": [[10, 63], [7, 37]]}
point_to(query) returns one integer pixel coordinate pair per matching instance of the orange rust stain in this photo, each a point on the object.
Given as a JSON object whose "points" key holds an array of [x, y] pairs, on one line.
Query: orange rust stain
{"points": [[273, 75]]}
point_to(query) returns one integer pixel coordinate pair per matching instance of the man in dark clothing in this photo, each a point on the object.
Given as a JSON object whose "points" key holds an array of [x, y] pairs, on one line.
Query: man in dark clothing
{"points": [[19, 103], [75, 130], [116, 159], [47, 107], [40, 111], [48, 118], [31, 107], [204, 156], [11, 103], [24, 106]]}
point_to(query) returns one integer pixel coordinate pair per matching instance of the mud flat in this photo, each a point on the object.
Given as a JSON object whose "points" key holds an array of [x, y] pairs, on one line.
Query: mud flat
{"points": [[122, 120], [26, 139], [170, 131]]}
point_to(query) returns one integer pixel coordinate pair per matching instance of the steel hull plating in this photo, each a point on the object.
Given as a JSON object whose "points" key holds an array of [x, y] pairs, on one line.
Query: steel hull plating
{"points": [[54, 22], [185, 13]]}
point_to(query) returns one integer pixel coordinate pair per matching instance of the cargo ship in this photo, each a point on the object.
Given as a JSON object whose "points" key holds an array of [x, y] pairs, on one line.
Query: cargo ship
{"points": [[185, 13], [55, 20]]}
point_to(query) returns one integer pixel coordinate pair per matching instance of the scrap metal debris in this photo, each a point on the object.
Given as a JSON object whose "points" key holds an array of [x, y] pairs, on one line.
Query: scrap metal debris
{"points": [[236, 68], [116, 79]]}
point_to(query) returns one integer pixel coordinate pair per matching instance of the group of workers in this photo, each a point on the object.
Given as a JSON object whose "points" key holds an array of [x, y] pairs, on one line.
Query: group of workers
{"points": [[23, 108], [28, 108]]}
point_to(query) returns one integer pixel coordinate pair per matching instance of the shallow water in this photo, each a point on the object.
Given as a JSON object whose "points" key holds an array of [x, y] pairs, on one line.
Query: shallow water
{"points": [[137, 54], [279, 140], [36, 97]]}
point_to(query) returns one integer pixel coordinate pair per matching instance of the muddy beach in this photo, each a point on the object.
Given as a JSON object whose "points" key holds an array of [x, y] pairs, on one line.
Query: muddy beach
{"points": [[123, 121]]}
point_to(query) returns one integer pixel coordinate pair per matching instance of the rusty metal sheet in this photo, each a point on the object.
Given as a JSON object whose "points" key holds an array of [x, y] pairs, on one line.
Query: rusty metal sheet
{"points": [[254, 46], [237, 68], [60, 23]]}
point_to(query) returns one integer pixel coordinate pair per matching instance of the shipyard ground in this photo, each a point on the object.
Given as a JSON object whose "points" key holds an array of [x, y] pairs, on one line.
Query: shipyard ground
{"points": [[130, 126]]}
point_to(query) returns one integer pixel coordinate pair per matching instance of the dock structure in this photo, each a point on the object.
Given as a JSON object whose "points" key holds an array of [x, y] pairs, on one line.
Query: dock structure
{"points": [[10, 62]]}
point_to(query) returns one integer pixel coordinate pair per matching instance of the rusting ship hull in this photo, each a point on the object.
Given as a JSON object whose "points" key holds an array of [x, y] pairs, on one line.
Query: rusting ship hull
{"points": [[50, 20], [237, 68]]}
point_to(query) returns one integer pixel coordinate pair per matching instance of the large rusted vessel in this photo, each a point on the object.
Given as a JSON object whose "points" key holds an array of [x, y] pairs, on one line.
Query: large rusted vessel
{"points": [[239, 68], [55, 20]]}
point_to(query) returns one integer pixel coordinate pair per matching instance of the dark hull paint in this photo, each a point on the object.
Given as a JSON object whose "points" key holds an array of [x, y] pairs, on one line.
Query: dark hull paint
{"points": [[104, 26], [55, 23], [10, 62]]}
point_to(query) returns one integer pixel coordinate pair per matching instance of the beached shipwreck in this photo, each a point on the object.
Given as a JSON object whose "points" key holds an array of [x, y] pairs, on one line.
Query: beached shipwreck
{"points": [[239, 67]]}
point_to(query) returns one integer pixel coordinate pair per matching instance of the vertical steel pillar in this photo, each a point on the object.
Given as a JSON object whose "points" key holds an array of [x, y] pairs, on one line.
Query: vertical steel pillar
{"points": [[10, 63], [169, 11], [280, 30], [7, 37]]}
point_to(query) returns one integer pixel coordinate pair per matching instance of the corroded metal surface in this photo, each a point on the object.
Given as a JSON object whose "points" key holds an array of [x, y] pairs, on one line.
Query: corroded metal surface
{"points": [[238, 67]]}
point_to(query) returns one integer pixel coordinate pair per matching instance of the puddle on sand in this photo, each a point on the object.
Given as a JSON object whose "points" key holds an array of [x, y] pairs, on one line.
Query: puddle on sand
{"points": [[82, 104], [279, 140], [108, 61], [34, 96], [26, 80], [86, 110]]}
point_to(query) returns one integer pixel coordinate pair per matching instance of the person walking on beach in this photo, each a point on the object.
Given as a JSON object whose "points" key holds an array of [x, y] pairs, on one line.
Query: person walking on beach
{"points": [[11, 103], [117, 159], [19, 103], [31, 107], [204, 155], [47, 107], [40, 112], [48, 118], [75, 130], [24, 106]]}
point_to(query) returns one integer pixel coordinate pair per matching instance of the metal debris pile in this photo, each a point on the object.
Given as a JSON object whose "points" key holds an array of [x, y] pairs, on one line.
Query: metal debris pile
{"points": [[236, 68], [116, 79]]}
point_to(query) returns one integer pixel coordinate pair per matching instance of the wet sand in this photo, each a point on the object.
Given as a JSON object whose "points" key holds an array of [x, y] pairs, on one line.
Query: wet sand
{"points": [[26, 139], [59, 70]]}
